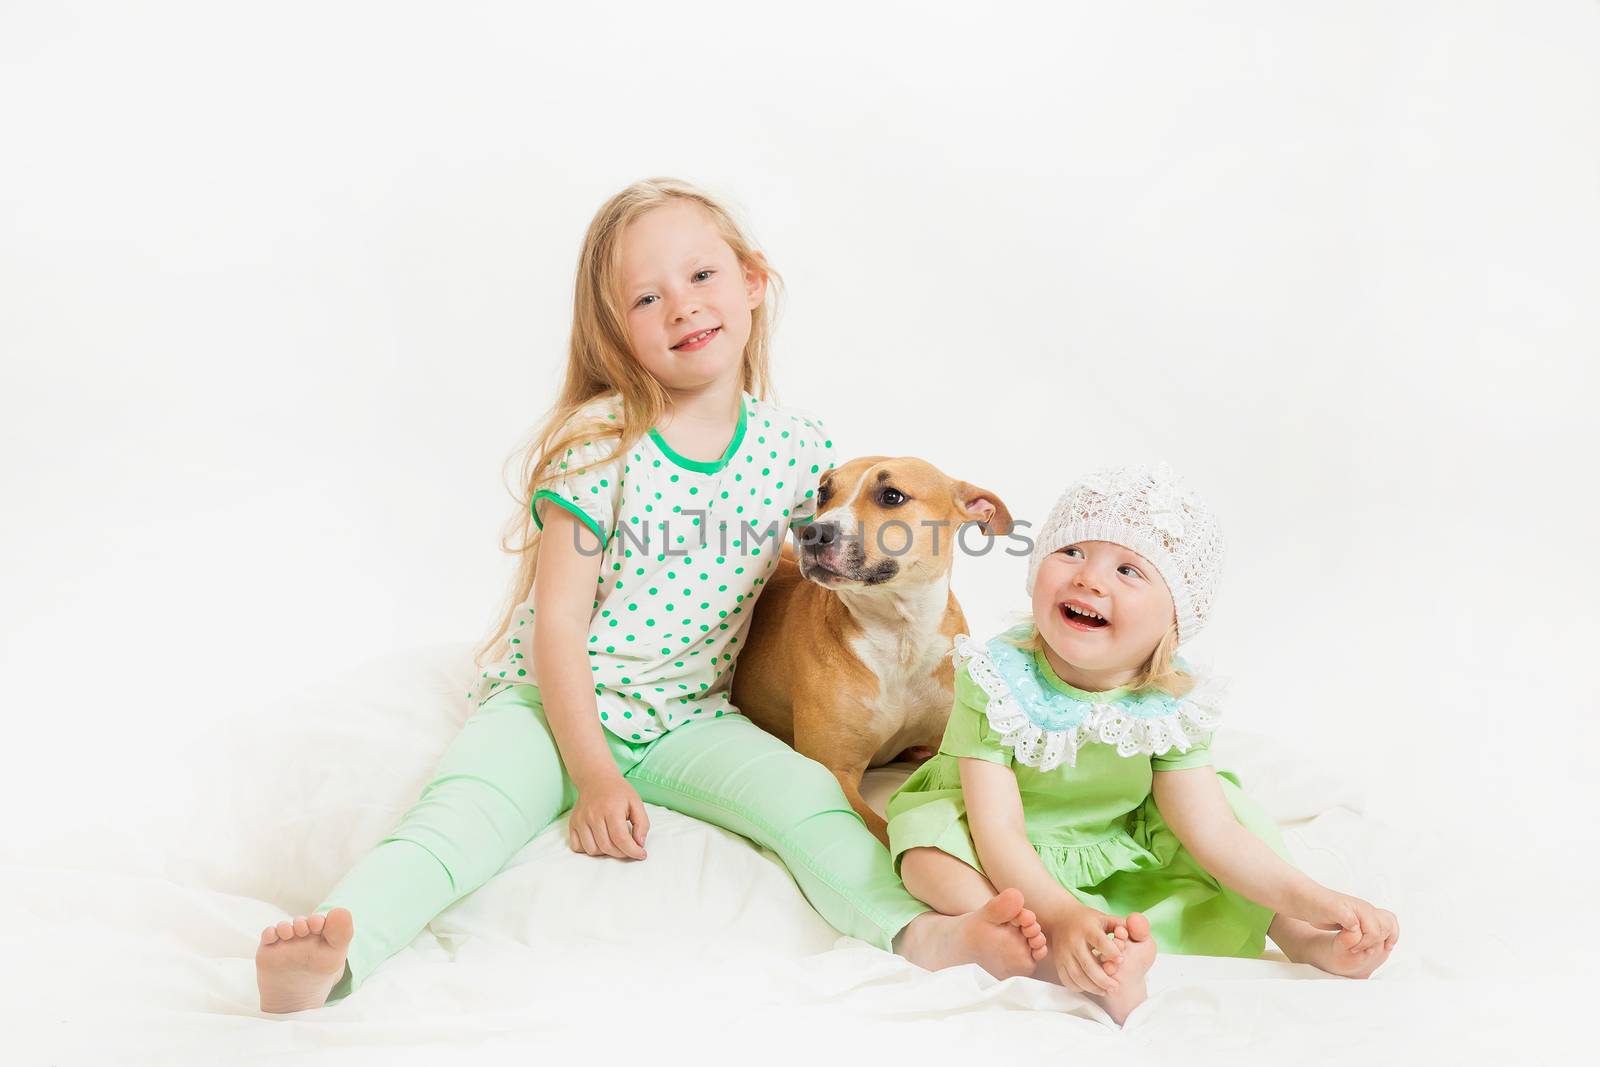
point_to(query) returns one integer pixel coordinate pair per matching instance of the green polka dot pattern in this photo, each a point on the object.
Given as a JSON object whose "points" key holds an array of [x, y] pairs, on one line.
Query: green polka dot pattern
{"points": [[686, 554]]}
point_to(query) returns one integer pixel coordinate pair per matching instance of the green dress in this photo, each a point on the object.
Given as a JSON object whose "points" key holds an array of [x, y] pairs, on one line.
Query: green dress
{"points": [[1084, 764]]}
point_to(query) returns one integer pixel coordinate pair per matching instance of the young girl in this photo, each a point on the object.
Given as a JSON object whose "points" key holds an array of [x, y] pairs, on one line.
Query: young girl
{"points": [[1075, 767], [661, 488]]}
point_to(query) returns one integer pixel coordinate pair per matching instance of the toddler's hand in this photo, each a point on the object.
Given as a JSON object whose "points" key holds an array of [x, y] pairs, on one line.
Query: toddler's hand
{"points": [[609, 820], [1074, 938], [1362, 926]]}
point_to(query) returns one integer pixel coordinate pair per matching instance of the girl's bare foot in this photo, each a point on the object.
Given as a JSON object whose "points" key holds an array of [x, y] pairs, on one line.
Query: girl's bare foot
{"points": [[1002, 937], [298, 962], [1138, 953], [1327, 950]]}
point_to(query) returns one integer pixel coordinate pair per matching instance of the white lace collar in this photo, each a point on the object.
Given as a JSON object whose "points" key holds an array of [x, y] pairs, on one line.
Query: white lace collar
{"points": [[1044, 726]]}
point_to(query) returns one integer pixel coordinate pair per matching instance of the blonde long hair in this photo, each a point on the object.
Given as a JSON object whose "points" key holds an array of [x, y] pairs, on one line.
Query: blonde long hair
{"points": [[601, 361], [1160, 671]]}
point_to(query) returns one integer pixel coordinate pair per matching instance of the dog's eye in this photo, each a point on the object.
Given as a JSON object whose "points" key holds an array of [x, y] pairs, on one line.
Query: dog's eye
{"points": [[823, 493], [892, 498]]}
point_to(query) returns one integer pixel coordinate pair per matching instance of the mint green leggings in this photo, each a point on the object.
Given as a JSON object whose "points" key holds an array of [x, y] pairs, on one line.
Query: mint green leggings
{"points": [[501, 781]]}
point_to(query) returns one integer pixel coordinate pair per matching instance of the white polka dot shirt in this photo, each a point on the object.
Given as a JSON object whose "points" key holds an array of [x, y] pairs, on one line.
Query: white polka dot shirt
{"points": [[688, 546]]}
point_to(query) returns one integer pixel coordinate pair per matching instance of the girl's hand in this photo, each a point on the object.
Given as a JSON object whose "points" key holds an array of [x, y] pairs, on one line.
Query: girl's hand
{"points": [[608, 820], [1361, 925], [1074, 935]]}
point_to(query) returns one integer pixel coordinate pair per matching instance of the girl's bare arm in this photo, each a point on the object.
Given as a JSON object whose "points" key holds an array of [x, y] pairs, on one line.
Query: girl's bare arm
{"points": [[999, 831], [608, 818], [563, 598], [1192, 803], [994, 813]]}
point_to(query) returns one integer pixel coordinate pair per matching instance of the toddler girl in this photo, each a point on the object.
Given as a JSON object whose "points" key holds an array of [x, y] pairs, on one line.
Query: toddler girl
{"points": [[1076, 767], [661, 489]]}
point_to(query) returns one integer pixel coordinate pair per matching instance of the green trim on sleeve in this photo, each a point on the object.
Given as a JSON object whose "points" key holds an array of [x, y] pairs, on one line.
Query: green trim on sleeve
{"points": [[1198, 756], [584, 516]]}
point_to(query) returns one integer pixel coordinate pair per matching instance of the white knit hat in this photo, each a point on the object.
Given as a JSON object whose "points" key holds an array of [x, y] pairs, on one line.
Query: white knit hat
{"points": [[1147, 510]]}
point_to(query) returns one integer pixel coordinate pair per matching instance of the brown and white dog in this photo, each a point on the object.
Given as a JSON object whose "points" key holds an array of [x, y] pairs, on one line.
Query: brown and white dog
{"points": [[848, 654]]}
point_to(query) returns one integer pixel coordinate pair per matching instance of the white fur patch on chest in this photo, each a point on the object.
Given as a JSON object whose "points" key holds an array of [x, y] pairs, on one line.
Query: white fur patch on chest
{"points": [[903, 663]]}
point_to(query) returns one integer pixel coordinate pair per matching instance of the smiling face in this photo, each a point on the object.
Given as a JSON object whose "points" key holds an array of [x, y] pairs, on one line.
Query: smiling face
{"points": [[685, 297], [1102, 609]]}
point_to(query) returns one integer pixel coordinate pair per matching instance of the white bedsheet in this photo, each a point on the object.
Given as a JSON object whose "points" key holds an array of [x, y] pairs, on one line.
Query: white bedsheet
{"points": [[141, 952]]}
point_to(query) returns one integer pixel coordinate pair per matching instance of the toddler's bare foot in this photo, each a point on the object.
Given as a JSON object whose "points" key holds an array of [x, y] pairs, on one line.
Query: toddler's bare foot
{"points": [[1327, 950], [298, 962], [1002, 937], [1138, 953], [1110, 965]]}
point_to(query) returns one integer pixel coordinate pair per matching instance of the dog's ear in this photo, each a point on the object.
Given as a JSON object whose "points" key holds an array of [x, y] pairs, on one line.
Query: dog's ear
{"points": [[983, 507]]}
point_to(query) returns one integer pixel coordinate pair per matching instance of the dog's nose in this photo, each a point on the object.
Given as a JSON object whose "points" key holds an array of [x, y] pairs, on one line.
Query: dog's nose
{"points": [[819, 535]]}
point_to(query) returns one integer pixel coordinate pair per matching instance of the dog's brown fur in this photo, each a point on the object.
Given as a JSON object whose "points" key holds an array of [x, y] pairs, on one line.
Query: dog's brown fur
{"points": [[852, 666]]}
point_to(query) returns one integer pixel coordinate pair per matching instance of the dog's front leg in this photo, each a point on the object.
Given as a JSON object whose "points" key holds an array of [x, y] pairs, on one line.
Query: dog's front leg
{"points": [[845, 753], [850, 782]]}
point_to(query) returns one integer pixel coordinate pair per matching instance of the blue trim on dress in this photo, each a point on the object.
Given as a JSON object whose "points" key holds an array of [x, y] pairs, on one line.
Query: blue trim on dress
{"points": [[1052, 710]]}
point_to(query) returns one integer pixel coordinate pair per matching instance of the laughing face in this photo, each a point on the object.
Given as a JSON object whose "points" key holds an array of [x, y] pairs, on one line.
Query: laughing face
{"points": [[686, 298], [1102, 609]]}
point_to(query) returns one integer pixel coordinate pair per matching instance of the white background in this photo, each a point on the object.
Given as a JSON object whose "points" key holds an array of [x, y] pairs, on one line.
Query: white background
{"points": [[282, 287]]}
